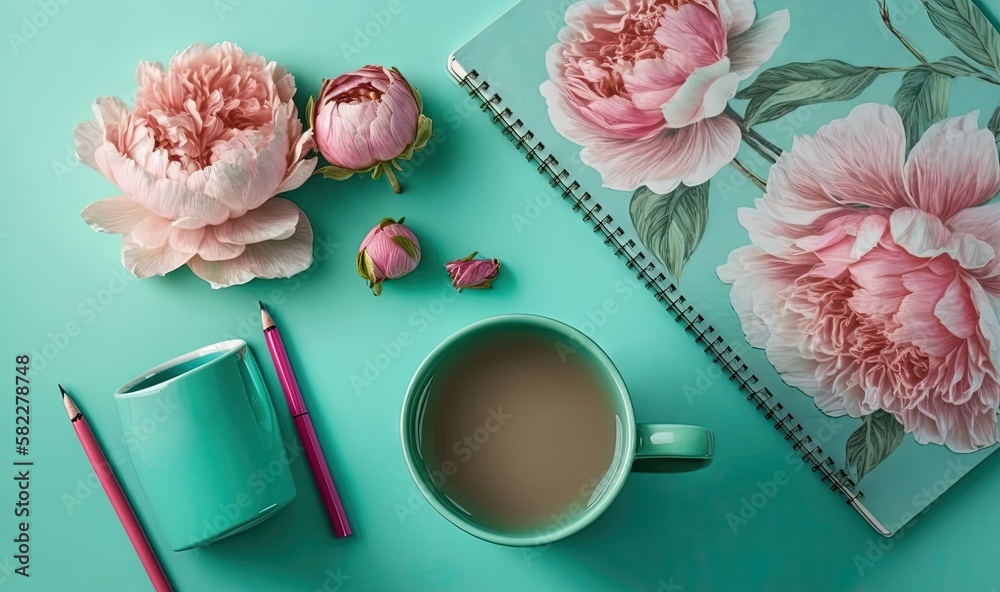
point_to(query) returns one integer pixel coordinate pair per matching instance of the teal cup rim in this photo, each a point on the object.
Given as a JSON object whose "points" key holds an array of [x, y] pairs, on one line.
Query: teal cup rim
{"points": [[227, 348], [621, 468]]}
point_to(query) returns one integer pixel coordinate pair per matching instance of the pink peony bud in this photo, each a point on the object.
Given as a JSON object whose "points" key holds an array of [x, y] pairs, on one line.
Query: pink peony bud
{"points": [[472, 273], [366, 120], [389, 251]]}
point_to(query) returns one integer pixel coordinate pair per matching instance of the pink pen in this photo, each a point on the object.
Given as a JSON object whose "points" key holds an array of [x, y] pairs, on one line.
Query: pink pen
{"points": [[118, 500], [307, 434]]}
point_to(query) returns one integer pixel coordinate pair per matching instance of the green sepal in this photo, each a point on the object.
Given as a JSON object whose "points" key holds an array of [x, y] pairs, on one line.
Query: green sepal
{"points": [[388, 222], [424, 132], [310, 107], [365, 265], [376, 288], [407, 245], [335, 172], [423, 135]]}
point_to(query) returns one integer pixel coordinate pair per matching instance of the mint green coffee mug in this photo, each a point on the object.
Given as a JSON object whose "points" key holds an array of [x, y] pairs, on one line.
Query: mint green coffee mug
{"points": [[205, 444], [660, 448]]}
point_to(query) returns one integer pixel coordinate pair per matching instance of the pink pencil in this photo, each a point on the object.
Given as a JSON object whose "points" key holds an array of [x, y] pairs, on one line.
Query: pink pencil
{"points": [[118, 500], [300, 415]]}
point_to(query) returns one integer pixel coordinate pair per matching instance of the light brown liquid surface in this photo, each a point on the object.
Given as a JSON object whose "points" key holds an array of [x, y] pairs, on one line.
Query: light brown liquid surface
{"points": [[517, 435]]}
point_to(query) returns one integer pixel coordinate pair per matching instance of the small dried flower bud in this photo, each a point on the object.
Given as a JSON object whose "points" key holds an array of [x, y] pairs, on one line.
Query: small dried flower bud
{"points": [[472, 273]]}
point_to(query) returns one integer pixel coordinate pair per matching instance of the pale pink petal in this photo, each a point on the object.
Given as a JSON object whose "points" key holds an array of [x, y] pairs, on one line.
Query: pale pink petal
{"points": [[276, 219], [186, 241], [738, 15], [298, 175], [750, 49], [690, 155], [117, 215], [395, 124], [269, 259], [146, 262], [164, 197], [228, 180], [212, 249], [705, 94], [694, 36], [151, 232], [924, 235], [114, 118], [87, 138], [221, 274], [342, 138], [982, 222], [954, 312], [652, 83], [270, 164], [953, 166], [149, 73], [855, 161]]}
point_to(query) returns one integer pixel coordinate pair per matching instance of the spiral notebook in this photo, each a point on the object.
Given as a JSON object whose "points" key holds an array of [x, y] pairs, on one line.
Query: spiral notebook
{"points": [[808, 188]]}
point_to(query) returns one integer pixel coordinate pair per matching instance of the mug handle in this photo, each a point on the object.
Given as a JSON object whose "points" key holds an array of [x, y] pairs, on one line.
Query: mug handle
{"points": [[260, 400], [668, 448]]}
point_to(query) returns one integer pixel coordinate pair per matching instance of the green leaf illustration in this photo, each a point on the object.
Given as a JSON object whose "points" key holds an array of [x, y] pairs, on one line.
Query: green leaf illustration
{"points": [[955, 66], [967, 27], [922, 100], [671, 225], [872, 443], [781, 90], [994, 125]]}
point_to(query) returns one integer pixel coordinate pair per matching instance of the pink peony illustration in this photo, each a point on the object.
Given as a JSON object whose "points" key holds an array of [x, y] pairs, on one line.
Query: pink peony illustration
{"points": [[873, 280], [211, 140], [642, 85]]}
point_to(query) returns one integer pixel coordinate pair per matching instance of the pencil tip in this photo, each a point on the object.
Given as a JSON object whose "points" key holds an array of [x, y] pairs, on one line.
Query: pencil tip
{"points": [[62, 390], [261, 305]]}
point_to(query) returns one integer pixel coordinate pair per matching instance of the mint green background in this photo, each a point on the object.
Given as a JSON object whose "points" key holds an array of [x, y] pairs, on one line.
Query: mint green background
{"points": [[665, 532]]}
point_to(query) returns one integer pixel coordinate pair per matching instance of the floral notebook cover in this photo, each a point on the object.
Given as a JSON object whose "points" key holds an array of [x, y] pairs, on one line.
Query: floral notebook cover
{"points": [[818, 179]]}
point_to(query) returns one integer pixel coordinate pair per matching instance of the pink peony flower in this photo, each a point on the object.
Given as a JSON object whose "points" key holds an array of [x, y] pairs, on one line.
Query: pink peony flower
{"points": [[471, 273], [365, 120], [211, 140], [642, 85], [389, 251], [873, 280]]}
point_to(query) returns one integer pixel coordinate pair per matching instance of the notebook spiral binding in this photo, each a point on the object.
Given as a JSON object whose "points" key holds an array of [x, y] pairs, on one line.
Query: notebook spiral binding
{"points": [[645, 268]]}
